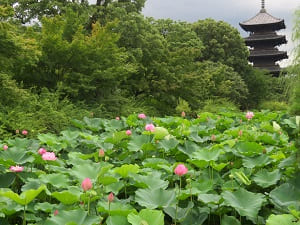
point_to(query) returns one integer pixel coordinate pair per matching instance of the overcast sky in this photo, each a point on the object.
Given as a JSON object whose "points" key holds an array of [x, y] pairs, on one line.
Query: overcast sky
{"points": [[231, 11]]}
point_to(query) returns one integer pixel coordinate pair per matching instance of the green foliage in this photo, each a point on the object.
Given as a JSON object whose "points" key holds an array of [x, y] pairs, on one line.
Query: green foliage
{"points": [[273, 105], [183, 106], [222, 43], [238, 178], [21, 109], [219, 105], [295, 98]]}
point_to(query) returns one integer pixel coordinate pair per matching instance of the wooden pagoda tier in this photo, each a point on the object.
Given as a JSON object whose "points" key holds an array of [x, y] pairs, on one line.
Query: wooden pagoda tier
{"points": [[263, 40]]}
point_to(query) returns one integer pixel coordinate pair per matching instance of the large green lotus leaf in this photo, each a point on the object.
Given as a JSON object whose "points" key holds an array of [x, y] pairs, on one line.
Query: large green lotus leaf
{"points": [[20, 143], [93, 124], [107, 180], [56, 179], [265, 179], [209, 198], [284, 219], [168, 144], [9, 207], [188, 148], [197, 216], [199, 187], [152, 181], [25, 198], [160, 133], [68, 197], [137, 142], [267, 139], [114, 187], [285, 195], [245, 202], [125, 169], [72, 217], [156, 163], [181, 212], [7, 179], [146, 217], [207, 154], [70, 137], [230, 220], [195, 137], [117, 220], [117, 137], [258, 161], [86, 169], [49, 139], [155, 198], [249, 148], [45, 207], [16, 156], [218, 166], [112, 125], [199, 163], [117, 208]]}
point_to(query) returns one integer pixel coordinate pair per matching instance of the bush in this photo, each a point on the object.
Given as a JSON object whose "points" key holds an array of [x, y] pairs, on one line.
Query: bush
{"points": [[295, 99], [38, 113], [273, 105], [219, 105]]}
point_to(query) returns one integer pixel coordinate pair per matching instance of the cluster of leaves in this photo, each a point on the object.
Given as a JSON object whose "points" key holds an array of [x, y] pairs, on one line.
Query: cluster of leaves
{"points": [[240, 172]]}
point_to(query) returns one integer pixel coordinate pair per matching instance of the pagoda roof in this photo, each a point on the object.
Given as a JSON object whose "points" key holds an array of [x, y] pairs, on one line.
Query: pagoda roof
{"points": [[264, 37], [262, 18], [267, 53]]}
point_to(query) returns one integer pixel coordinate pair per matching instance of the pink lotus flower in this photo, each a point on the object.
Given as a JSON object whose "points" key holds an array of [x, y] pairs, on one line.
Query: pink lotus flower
{"points": [[24, 132], [180, 170], [249, 115], [150, 127], [142, 116], [182, 114], [110, 197], [49, 156], [16, 168], [86, 184], [41, 151], [101, 153], [128, 132], [213, 137], [5, 147], [55, 212], [117, 118]]}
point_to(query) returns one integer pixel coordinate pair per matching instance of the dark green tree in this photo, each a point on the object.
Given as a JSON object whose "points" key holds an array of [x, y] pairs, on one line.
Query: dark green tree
{"points": [[222, 43]]}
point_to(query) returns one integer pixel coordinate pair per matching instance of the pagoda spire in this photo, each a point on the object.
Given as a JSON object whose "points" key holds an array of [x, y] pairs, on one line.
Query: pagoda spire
{"points": [[262, 4], [263, 10]]}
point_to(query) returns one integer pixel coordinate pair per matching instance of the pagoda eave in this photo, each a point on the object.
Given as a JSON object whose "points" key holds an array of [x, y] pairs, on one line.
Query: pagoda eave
{"points": [[268, 53], [266, 37], [269, 26], [275, 70]]}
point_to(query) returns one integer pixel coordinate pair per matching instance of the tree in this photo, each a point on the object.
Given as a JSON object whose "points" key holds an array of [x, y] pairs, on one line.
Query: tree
{"points": [[222, 43], [295, 96]]}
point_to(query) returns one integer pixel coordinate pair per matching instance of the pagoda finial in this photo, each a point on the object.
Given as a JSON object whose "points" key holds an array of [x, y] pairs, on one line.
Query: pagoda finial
{"points": [[263, 10]]}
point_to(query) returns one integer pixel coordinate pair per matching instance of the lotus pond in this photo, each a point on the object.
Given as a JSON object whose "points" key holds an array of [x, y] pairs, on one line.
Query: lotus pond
{"points": [[240, 171]]}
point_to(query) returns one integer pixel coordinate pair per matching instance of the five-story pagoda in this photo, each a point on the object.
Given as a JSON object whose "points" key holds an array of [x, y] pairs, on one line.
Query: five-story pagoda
{"points": [[263, 40]]}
